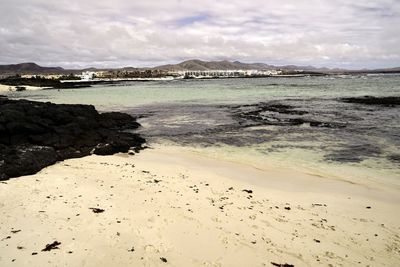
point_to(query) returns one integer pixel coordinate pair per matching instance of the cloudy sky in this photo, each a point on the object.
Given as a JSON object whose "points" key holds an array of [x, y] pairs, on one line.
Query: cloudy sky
{"points": [[115, 33]]}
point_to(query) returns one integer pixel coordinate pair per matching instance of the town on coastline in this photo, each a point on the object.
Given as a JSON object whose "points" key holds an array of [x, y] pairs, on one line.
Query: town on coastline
{"points": [[118, 75], [87, 78], [19, 76]]}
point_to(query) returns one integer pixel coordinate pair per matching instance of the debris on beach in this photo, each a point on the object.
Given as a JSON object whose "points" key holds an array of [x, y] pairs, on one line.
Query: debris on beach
{"points": [[282, 264], [7, 237], [318, 205], [97, 210], [163, 259], [52, 246]]}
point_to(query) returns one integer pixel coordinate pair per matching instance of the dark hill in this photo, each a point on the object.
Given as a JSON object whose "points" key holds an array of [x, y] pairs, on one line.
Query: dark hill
{"points": [[30, 68], [196, 64]]}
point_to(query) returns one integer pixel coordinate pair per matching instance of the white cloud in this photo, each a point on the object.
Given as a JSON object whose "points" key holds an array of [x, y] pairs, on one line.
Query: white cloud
{"points": [[139, 33]]}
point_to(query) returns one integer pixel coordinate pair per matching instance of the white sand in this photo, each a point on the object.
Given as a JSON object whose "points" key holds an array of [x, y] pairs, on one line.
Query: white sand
{"points": [[171, 203]]}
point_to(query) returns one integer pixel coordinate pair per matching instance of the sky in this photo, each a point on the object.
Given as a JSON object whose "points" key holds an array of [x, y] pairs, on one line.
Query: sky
{"points": [[116, 33]]}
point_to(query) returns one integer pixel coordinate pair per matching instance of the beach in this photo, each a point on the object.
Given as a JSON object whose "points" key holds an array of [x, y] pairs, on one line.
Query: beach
{"points": [[171, 205], [10, 88], [200, 134]]}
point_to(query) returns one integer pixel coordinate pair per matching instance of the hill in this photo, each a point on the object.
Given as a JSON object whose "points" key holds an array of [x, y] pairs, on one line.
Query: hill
{"points": [[30, 68], [196, 64]]}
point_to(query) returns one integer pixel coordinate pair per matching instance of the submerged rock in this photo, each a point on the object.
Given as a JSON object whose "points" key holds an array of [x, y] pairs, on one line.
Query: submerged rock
{"points": [[278, 115], [34, 135], [371, 100]]}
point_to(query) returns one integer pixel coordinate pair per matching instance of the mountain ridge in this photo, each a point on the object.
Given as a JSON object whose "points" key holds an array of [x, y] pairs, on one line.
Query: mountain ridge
{"points": [[27, 68], [197, 64], [187, 65]]}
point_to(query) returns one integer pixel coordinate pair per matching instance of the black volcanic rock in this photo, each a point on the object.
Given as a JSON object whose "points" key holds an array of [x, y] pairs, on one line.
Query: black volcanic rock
{"points": [[271, 114], [41, 82], [117, 120], [26, 159], [389, 101], [34, 135]]}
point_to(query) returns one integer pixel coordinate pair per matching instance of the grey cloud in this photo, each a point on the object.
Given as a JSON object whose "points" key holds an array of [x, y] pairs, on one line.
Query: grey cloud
{"points": [[142, 33]]}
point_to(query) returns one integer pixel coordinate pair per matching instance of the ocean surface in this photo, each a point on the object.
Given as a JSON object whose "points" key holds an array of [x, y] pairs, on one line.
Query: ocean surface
{"points": [[296, 123]]}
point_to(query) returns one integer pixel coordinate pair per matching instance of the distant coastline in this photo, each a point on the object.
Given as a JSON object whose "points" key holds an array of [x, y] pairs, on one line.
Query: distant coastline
{"points": [[20, 76], [17, 83], [177, 69]]}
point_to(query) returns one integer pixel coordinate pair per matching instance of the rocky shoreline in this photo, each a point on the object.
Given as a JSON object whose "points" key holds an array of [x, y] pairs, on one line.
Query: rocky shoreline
{"points": [[34, 135], [42, 82]]}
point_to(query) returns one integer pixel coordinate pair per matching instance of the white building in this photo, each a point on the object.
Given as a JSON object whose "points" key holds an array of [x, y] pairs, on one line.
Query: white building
{"points": [[226, 73], [87, 75]]}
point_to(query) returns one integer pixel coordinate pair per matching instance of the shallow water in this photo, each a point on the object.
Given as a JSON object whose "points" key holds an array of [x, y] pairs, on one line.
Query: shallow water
{"points": [[217, 117]]}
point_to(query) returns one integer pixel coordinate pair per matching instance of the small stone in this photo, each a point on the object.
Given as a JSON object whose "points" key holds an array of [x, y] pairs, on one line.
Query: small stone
{"points": [[97, 210]]}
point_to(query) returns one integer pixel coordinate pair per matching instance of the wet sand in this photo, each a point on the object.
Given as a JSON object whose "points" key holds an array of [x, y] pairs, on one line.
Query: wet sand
{"points": [[172, 206]]}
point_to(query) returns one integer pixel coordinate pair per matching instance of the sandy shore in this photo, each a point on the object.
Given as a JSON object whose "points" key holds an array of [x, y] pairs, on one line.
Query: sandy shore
{"points": [[170, 206], [10, 88]]}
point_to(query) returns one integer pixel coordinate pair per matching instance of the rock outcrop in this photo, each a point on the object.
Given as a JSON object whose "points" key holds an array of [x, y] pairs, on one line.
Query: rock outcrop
{"points": [[279, 115], [34, 135], [389, 101]]}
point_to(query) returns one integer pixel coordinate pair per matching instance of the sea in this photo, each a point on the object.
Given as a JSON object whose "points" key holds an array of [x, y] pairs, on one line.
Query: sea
{"points": [[299, 123]]}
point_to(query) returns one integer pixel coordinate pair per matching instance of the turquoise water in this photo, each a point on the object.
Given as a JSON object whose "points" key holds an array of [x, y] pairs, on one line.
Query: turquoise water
{"points": [[217, 118], [223, 91]]}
